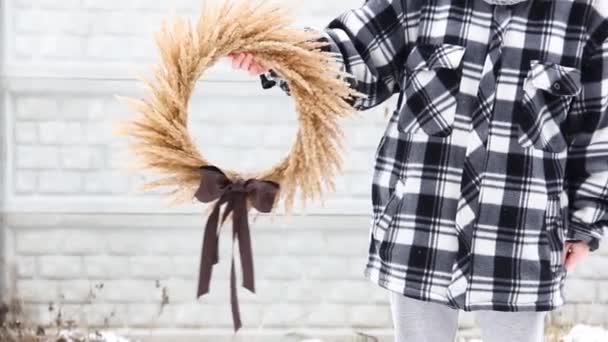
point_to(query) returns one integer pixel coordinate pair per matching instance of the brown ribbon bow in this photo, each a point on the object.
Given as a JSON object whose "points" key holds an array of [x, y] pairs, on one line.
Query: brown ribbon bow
{"points": [[215, 185]]}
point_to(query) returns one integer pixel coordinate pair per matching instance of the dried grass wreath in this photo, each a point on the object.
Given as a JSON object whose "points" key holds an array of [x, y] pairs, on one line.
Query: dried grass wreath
{"points": [[162, 143], [161, 139]]}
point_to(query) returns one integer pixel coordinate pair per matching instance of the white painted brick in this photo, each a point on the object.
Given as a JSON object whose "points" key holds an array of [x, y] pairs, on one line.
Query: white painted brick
{"points": [[597, 265], [151, 267], [331, 268], [105, 267], [369, 316], [603, 291], [102, 315], [60, 267], [143, 49], [284, 268], [26, 45], [251, 314], [126, 243], [76, 291], [565, 315], [107, 47], [99, 132], [35, 21], [306, 243], [364, 136], [280, 136], [580, 291], [36, 107], [358, 161], [106, 182], [282, 314], [26, 132], [197, 315], [60, 182], [325, 315], [350, 292], [267, 243], [39, 313], [61, 46], [26, 181], [346, 243], [342, 185], [175, 4], [108, 4], [118, 157], [37, 157], [305, 291], [131, 291], [603, 250], [181, 290], [594, 267], [53, 4], [190, 315], [37, 291], [26, 266], [593, 314], [150, 315], [266, 291], [362, 185], [142, 24], [112, 109], [81, 108], [82, 158], [185, 266], [154, 242], [84, 242], [38, 242], [60, 132]]}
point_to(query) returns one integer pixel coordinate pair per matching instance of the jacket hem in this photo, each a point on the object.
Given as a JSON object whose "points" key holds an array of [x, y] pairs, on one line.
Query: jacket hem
{"points": [[441, 299]]}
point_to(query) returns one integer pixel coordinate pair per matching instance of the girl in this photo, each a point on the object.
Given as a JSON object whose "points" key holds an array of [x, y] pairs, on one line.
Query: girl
{"points": [[491, 179]]}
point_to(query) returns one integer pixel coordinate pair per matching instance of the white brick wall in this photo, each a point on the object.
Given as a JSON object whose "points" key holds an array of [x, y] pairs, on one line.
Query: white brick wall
{"points": [[73, 222]]}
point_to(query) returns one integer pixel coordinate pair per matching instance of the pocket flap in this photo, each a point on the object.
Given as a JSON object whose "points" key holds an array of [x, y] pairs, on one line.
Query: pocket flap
{"points": [[557, 79], [428, 56]]}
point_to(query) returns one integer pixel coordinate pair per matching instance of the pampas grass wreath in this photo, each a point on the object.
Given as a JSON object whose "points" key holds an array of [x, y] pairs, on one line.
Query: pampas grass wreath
{"points": [[160, 138]]}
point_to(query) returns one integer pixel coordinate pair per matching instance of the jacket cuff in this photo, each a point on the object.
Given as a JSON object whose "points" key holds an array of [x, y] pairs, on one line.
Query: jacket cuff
{"points": [[578, 232], [268, 80], [272, 79]]}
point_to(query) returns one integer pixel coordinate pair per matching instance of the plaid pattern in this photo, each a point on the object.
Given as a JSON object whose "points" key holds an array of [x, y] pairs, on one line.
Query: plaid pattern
{"points": [[497, 151]]}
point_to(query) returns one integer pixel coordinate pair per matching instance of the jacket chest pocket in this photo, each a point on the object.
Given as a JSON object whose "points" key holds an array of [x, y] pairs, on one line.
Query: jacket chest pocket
{"points": [[549, 90], [433, 74]]}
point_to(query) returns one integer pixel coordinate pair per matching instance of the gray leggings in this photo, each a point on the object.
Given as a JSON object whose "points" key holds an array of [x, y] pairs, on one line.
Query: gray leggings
{"points": [[418, 321]]}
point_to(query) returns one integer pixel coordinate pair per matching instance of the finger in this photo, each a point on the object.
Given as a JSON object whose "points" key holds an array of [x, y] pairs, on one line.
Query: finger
{"points": [[255, 70], [567, 250], [246, 62], [262, 65], [572, 260], [579, 251], [581, 247], [236, 61]]}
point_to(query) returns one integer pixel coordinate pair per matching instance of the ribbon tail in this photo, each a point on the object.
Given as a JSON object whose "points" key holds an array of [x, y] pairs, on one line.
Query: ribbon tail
{"points": [[234, 300], [209, 253], [243, 235]]}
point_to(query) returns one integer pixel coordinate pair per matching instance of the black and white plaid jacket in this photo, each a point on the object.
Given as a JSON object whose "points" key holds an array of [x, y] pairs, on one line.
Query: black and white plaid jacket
{"points": [[497, 152]]}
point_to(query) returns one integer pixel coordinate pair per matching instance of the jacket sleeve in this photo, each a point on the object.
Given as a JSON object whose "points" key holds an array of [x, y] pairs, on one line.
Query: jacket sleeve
{"points": [[587, 165], [371, 44]]}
